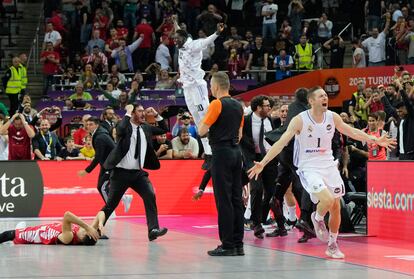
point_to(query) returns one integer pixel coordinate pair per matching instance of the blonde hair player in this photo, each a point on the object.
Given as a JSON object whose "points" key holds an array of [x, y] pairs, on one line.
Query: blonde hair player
{"points": [[313, 130]]}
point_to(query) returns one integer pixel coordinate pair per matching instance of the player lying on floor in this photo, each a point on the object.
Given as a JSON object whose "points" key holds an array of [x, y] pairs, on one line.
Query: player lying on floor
{"points": [[71, 231]]}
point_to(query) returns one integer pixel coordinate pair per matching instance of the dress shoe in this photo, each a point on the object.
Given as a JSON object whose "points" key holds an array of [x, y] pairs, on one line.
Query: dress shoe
{"points": [[277, 232], [103, 237], [304, 226], [305, 237], [207, 162], [259, 231], [240, 251], [155, 233], [220, 251]]}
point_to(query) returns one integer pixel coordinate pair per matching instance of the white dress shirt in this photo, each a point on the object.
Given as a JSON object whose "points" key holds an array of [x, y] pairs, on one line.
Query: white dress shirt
{"points": [[129, 162], [256, 123], [189, 60]]}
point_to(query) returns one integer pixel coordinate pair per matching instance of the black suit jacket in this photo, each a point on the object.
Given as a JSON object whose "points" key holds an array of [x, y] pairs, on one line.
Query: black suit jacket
{"points": [[247, 143], [123, 132], [103, 144]]}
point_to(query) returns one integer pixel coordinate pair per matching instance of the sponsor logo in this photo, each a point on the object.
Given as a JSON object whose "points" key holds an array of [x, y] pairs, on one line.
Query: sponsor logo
{"points": [[21, 192], [315, 150], [329, 127], [331, 86], [337, 190], [310, 129], [309, 136]]}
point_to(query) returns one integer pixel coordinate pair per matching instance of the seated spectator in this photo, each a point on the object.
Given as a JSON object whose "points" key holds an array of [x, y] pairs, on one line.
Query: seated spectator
{"points": [[162, 55], [3, 109], [20, 134], [337, 48], [124, 98], [52, 36], [81, 132], [28, 112], [184, 146], [95, 41], [69, 76], [123, 54], [88, 78], [46, 145], [235, 64], [375, 152], [114, 72], [165, 81], [110, 89], [70, 152], [4, 142], [162, 147], [98, 55], [184, 121], [283, 63], [87, 150], [80, 94]]}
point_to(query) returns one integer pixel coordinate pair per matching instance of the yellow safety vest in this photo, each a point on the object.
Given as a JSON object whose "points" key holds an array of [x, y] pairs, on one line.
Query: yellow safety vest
{"points": [[14, 84], [305, 56], [361, 113], [23, 75]]}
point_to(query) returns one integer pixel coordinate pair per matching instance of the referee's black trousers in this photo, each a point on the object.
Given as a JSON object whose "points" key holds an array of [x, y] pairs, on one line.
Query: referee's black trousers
{"points": [[120, 181], [103, 183], [226, 170]]}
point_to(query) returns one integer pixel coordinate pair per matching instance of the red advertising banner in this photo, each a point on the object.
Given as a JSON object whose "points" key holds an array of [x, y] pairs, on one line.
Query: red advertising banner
{"points": [[174, 183], [390, 199], [338, 83]]}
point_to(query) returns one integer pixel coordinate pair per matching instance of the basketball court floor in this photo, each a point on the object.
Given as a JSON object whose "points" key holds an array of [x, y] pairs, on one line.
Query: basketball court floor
{"points": [[182, 254]]}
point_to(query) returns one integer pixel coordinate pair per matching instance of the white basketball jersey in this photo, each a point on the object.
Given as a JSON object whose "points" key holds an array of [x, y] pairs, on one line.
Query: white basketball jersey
{"points": [[313, 146]]}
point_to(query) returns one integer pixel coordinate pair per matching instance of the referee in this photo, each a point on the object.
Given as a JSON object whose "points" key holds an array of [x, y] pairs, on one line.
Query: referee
{"points": [[224, 123]]}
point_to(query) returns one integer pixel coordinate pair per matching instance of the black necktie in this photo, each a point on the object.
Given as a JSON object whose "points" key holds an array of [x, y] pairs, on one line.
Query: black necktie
{"points": [[138, 148], [261, 137]]}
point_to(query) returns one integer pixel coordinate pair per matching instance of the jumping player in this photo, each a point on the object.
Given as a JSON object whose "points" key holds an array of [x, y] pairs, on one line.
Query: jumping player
{"points": [[313, 130], [192, 77], [71, 231]]}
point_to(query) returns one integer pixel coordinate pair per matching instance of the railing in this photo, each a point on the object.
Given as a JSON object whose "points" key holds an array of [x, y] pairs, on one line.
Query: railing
{"points": [[34, 50]]}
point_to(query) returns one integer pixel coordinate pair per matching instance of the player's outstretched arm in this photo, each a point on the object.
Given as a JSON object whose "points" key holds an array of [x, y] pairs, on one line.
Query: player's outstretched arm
{"points": [[294, 127], [342, 127]]}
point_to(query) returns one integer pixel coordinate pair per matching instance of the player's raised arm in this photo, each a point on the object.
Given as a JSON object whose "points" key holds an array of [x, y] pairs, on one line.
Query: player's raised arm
{"points": [[294, 127], [342, 127]]}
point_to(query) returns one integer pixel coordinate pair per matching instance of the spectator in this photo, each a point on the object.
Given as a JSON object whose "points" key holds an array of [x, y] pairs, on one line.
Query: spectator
{"points": [[46, 145], [86, 23], [70, 152], [87, 151], [100, 23], [28, 112], [324, 34], [409, 39], [330, 6], [162, 55], [107, 11], [80, 94], [108, 119], [81, 133], [269, 12], [375, 152], [258, 60], [110, 89], [97, 53], [50, 60], [124, 98], [95, 41], [208, 20], [184, 146], [358, 100], [121, 30], [376, 45], [146, 11], [373, 12], [184, 121], [52, 36], [115, 73], [374, 103], [20, 133], [69, 10], [207, 52], [358, 56], [142, 57], [130, 10], [23, 73], [3, 109], [337, 48], [304, 54], [12, 82], [4, 142], [283, 63], [295, 14], [69, 76], [162, 147], [54, 112], [88, 79], [112, 42], [235, 64], [165, 81], [400, 30], [123, 54]]}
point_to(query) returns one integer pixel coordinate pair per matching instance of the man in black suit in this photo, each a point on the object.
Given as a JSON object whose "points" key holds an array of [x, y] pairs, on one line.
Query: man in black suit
{"points": [[108, 116], [133, 153], [103, 144], [254, 148]]}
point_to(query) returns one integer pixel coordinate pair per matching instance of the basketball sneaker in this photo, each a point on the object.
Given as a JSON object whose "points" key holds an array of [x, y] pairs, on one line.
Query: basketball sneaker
{"points": [[334, 252], [20, 225], [320, 229]]}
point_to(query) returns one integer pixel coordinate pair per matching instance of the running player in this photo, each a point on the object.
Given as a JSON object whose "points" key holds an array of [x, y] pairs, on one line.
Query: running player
{"points": [[192, 77], [313, 130], [71, 231]]}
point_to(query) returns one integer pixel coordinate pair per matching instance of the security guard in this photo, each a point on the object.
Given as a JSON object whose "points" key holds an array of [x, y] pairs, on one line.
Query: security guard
{"points": [[224, 125], [12, 83], [304, 54]]}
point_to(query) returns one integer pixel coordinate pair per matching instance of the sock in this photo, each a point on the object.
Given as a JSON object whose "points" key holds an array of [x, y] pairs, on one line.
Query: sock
{"points": [[332, 238], [292, 213], [318, 217]]}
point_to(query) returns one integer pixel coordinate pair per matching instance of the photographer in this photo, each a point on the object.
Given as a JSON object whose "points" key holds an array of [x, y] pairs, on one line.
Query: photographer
{"points": [[184, 121]]}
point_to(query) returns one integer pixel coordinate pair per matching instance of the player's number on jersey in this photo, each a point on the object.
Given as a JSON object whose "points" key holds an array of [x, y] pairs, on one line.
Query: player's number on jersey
{"points": [[200, 107], [319, 142]]}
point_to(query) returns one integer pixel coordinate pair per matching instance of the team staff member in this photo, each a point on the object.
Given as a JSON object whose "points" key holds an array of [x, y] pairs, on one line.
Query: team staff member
{"points": [[224, 125]]}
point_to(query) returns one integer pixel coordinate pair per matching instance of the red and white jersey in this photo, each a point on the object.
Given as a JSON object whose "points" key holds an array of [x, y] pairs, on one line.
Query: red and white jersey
{"points": [[313, 146], [43, 234]]}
